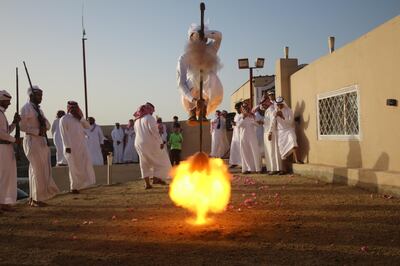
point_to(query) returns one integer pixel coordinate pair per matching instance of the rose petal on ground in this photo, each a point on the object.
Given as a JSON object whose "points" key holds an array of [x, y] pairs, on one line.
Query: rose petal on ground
{"points": [[134, 220], [114, 217]]}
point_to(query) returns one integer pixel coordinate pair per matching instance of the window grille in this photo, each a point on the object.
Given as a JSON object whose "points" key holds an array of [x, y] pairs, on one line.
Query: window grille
{"points": [[338, 114]]}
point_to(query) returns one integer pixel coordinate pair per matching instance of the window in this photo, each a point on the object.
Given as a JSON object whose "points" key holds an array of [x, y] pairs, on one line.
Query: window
{"points": [[339, 114]]}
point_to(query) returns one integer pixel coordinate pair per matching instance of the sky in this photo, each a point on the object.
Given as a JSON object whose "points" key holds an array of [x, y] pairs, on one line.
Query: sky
{"points": [[133, 46]]}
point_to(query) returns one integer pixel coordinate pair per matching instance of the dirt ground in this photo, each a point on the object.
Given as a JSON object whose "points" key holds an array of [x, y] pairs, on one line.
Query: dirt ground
{"points": [[278, 220]]}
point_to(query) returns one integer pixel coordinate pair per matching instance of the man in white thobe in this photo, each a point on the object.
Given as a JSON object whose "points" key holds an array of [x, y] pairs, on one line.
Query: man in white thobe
{"points": [[55, 131], [259, 117], [234, 156], [8, 165], [284, 121], [95, 142], [162, 128], [249, 149], [35, 125], [130, 154], [72, 125], [219, 142], [153, 155], [200, 54], [272, 157], [118, 135]]}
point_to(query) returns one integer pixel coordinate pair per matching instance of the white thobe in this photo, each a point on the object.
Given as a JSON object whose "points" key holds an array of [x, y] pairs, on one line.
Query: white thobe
{"points": [[260, 132], [55, 131], [272, 157], [8, 164], [118, 134], [41, 183], [234, 156], [81, 173], [130, 154], [188, 79], [153, 160], [164, 134], [286, 132], [249, 149], [219, 140], [95, 139]]}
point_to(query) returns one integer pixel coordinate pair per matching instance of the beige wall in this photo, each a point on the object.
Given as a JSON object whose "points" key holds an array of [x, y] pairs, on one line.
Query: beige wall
{"points": [[284, 68], [373, 63], [240, 95]]}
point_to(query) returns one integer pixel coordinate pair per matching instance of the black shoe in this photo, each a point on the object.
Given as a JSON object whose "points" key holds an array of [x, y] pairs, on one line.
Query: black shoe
{"points": [[232, 166]]}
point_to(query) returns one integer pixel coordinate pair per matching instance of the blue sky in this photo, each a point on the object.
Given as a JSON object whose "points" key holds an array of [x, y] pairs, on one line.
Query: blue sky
{"points": [[133, 46]]}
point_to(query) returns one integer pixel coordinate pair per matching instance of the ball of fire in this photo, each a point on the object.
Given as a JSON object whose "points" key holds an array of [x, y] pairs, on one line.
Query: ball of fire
{"points": [[201, 185]]}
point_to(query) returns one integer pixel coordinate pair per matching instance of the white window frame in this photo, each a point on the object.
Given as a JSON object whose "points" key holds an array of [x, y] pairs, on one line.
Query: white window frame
{"points": [[345, 90]]}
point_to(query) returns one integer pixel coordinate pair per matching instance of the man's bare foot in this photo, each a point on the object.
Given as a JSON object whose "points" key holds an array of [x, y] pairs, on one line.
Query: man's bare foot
{"points": [[75, 191]]}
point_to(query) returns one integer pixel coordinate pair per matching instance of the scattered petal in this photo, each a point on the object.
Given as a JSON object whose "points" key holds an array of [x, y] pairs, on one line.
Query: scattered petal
{"points": [[134, 220], [114, 217], [364, 249]]}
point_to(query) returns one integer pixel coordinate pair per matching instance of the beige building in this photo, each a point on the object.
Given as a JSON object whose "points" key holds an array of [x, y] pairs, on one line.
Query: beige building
{"points": [[260, 85], [347, 111]]}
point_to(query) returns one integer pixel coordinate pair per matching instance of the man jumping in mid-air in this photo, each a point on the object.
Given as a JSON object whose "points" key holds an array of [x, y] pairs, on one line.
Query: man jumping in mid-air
{"points": [[200, 54]]}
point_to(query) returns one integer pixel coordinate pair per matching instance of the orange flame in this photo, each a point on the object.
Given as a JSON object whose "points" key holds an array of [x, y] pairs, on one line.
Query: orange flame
{"points": [[202, 185]]}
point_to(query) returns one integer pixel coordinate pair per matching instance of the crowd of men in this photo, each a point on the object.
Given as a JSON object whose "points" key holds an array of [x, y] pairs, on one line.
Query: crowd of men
{"points": [[79, 144], [265, 131]]}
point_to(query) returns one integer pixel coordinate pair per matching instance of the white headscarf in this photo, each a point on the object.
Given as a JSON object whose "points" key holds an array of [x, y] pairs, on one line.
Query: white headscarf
{"points": [[4, 95], [279, 100], [194, 28], [32, 89]]}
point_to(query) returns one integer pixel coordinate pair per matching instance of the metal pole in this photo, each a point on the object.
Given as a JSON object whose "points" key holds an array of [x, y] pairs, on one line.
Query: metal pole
{"points": [[84, 75], [202, 8], [251, 88], [201, 111]]}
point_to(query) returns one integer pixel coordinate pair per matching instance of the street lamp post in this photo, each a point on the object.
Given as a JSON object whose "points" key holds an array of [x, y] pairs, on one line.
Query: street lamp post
{"points": [[243, 63]]}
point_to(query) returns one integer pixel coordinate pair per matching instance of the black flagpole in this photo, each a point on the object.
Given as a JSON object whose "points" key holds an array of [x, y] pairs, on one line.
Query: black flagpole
{"points": [[84, 66]]}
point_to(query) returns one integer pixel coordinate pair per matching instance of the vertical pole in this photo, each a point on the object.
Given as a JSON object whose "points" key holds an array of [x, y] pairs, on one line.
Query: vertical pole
{"points": [[201, 111], [84, 75], [202, 8], [251, 88]]}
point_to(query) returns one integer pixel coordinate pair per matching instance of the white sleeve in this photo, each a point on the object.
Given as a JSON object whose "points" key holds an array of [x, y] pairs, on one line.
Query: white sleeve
{"points": [[53, 127], [64, 133], [100, 135], [26, 115], [84, 123], [181, 76], [216, 38]]}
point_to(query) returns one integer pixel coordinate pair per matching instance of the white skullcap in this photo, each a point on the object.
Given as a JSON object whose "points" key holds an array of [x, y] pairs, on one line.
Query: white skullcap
{"points": [[4, 95], [193, 28], [32, 89], [279, 99]]}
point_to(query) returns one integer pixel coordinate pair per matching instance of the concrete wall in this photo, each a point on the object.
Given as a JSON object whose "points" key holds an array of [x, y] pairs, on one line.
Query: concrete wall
{"points": [[371, 62], [240, 95], [284, 68]]}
